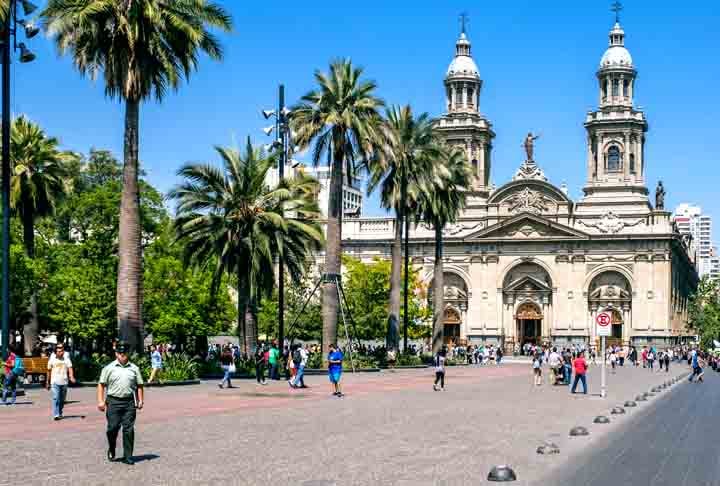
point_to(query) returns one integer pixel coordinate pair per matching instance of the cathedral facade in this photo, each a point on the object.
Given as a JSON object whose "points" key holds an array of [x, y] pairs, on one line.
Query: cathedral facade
{"points": [[525, 262]]}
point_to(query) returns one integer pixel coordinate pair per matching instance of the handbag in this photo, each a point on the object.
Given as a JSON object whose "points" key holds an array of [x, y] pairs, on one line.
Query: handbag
{"points": [[231, 368]]}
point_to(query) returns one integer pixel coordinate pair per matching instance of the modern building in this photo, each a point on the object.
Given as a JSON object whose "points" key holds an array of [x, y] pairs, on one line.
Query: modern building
{"points": [[714, 264], [690, 220], [525, 262]]}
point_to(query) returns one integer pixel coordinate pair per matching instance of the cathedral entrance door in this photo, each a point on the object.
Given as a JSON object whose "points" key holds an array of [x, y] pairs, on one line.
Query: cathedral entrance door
{"points": [[529, 325]]}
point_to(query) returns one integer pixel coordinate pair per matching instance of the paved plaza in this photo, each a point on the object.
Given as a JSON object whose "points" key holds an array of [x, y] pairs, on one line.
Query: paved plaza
{"points": [[390, 429]]}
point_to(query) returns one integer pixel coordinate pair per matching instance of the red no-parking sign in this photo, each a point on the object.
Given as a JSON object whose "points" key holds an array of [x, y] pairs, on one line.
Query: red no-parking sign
{"points": [[603, 321]]}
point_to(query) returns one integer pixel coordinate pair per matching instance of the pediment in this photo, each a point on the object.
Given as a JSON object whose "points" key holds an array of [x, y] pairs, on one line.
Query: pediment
{"points": [[528, 226], [527, 283], [530, 196]]}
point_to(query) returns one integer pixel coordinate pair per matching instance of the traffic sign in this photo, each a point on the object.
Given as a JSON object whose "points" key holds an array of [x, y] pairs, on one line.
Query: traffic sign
{"points": [[603, 321]]}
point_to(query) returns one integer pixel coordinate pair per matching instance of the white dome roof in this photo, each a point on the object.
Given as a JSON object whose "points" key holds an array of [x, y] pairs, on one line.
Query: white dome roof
{"points": [[463, 65], [616, 56]]}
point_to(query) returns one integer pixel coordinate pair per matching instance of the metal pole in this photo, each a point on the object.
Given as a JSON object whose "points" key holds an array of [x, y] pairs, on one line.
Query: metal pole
{"points": [[406, 317], [603, 391], [282, 133], [6, 181]]}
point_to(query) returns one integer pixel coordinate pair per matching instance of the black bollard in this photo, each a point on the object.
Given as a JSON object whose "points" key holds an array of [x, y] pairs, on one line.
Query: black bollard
{"points": [[618, 410], [630, 403], [578, 431], [601, 419], [501, 474], [640, 398]]}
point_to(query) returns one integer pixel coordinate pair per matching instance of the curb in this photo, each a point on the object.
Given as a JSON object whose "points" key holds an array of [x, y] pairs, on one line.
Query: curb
{"points": [[148, 385]]}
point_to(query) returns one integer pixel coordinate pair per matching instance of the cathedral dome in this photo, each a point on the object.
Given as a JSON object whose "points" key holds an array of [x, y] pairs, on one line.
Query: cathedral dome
{"points": [[463, 63], [616, 55]]}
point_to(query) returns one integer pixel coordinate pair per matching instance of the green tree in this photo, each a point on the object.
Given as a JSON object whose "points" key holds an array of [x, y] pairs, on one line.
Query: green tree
{"points": [[179, 302], [704, 312], [142, 47], [439, 205], [366, 287], [38, 182], [340, 119], [307, 326], [403, 169], [230, 220]]}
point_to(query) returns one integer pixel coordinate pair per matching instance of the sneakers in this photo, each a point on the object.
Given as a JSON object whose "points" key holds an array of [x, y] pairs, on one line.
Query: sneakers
{"points": [[435, 387], [57, 417]]}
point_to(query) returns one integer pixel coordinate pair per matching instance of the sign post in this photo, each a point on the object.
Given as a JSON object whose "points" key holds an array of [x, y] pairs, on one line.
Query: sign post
{"points": [[602, 330]]}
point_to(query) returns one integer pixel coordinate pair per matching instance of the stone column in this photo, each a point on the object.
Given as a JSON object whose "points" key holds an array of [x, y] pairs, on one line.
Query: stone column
{"points": [[601, 158], [608, 88], [631, 90], [621, 87], [453, 97], [481, 163], [464, 96], [626, 155], [590, 159]]}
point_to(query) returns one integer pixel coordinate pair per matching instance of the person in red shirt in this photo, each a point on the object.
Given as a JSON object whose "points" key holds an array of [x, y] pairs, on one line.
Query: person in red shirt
{"points": [[10, 384], [580, 368]]}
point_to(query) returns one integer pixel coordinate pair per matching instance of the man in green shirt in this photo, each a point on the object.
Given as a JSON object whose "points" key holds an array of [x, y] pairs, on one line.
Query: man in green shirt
{"points": [[273, 360], [123, 384]]}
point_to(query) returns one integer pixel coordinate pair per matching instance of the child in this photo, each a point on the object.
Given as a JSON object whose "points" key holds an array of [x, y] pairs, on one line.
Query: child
{"points": [[537, 371]]}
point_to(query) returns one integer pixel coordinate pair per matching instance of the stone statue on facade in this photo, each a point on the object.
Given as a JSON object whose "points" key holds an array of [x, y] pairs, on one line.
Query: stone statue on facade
{"points": [[660, 196], [529, 145]]}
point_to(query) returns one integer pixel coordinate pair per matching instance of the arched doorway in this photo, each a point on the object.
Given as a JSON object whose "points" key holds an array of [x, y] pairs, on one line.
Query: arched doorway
{"points": [[529, 324], [451, 325], [611, 292]]}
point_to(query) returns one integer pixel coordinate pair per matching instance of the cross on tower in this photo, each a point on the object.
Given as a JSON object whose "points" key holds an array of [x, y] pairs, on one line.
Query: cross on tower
{"points": [[617, 7], [464, 20]]}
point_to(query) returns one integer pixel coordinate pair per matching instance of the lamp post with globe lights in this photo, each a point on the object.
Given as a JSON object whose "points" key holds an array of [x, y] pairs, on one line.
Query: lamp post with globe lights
{"points": [[9, 34]]}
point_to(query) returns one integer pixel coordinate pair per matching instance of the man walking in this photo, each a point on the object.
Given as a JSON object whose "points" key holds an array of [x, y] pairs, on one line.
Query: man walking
{"points": [[300, 356], [260, 364], [335, 359], [273, 359], [580, 369], [60, 369], [123, 383]]}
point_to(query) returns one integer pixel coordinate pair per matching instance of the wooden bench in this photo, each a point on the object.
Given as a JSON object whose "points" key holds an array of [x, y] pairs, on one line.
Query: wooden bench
{"points": [[35, 366]]}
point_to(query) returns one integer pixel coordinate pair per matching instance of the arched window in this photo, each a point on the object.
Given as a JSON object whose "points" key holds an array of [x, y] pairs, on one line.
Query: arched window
{"points": [[470, 98], [616, 87], [613, 159], [475, 166], [632, 163], [626, 85]]}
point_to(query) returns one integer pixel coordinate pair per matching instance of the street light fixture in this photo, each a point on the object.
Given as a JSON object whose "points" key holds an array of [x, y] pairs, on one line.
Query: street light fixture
{"points": [[30, 30], [9, 39], [282, 144]]}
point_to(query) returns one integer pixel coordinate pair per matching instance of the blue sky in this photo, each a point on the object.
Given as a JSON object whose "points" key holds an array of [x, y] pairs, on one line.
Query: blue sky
{"points": [[537, 60]]}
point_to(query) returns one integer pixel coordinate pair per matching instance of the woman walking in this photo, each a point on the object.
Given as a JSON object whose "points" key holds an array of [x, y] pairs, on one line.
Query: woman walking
{"points": [[155, 363], [537, 370], [440, 369], [228, 367]]}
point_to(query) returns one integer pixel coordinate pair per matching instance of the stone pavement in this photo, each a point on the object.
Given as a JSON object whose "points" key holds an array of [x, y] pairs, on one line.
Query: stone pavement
{"points": [[391, 429]]}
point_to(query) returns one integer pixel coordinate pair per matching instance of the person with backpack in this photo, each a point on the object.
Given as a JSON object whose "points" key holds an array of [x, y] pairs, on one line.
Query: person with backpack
{"points": [[59, 371], [300, 357], [439, 363], [260, 364], [651, 358], [13, 370]]}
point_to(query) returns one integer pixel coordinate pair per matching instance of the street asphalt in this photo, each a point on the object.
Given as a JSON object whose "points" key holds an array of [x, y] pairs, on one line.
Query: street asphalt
{"points": [[674, 443]]}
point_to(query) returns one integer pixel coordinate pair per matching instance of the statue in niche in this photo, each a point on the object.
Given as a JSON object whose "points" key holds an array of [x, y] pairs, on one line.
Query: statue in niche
{"points": [[660, 196]]}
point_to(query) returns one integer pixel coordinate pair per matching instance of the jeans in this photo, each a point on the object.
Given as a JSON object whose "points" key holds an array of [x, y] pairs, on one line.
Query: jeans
{"points": [[58, 399], [696, 371], [226, 376], [581, 378], [440, 377], [260, 372], [274, 372], [299, 376], [566, 374], [10, 384]]}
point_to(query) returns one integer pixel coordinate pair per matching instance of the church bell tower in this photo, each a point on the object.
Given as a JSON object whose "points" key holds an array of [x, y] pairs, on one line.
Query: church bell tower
{"points": [[462, 125], [616, 130]]}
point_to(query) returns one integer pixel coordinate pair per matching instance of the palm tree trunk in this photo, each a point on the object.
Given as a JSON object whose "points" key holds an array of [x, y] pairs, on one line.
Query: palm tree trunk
{"points": [[438, 292], [251, 330], [241, 306], [393, 331], [32, 328], [129, 283], [333, 249]]}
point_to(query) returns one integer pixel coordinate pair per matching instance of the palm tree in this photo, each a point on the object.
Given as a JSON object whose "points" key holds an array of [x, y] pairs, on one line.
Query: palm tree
{"points": [[39, 171], [341, 119], [142, 47], [440, 205], [402, 169], [230, 219]]}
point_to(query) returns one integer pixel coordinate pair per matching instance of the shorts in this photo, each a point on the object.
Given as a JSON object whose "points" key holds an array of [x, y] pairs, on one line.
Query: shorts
{"points": [[335, 376], [537, 371]]}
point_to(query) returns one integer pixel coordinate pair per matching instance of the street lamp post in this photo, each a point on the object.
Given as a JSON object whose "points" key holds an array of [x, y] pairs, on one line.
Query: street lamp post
{"points": [[282, 144], [9, 33]]}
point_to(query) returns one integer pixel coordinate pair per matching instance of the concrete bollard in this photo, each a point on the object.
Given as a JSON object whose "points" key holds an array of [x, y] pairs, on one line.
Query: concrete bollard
{"points": [[548, 448], [501, 474], [630, 403], [618, 410], [640, 398], [578, 431], [601, 419]]}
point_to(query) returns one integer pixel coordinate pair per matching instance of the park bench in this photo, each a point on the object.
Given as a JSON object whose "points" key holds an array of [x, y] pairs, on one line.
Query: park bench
{"points": [[35, 367]]}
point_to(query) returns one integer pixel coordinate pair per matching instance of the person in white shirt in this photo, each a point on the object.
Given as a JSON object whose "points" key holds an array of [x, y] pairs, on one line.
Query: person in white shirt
{"points": [[60, 370], [555, 362]]}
